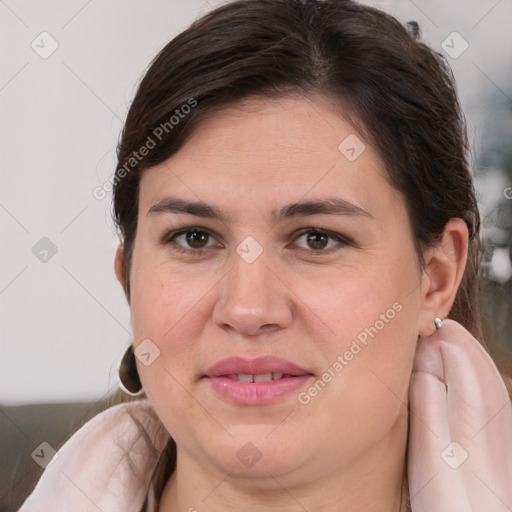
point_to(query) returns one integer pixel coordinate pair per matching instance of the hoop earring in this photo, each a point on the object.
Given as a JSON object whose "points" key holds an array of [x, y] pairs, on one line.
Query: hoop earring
{"points": [[438, 323], [129, 381]]}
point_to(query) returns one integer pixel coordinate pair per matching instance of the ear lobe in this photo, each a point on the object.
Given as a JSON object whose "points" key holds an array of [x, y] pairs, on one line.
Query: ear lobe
{"points": [[118, 268], [444, 268]]}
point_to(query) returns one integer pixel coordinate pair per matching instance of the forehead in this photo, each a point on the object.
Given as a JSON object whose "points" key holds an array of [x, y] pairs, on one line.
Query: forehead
{"points": [[291, 127], [269, 148]]}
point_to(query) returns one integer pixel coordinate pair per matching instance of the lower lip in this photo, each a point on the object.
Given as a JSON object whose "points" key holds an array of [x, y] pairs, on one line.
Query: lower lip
{"points": [[256, 393]]}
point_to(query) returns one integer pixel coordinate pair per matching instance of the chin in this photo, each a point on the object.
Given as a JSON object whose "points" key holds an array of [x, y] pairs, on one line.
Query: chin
{"points": [[257, 451]]}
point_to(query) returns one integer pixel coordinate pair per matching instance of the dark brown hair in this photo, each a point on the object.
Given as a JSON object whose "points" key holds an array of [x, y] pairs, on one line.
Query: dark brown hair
{"points": [[399, 95]]}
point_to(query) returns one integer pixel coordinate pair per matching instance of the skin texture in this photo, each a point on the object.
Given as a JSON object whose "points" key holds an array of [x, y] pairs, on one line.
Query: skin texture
{"points": [[345, 449]]}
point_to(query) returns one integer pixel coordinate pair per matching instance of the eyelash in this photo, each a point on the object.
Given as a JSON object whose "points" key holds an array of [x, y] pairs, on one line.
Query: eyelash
{"points": [[168, 239]]}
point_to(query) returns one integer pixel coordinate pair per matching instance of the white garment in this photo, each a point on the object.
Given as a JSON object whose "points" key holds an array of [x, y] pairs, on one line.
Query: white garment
{"points": [[106, 465]]}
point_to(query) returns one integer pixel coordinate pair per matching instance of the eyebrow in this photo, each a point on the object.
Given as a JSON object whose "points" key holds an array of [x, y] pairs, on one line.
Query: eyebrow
{"points": [[328, 206]]}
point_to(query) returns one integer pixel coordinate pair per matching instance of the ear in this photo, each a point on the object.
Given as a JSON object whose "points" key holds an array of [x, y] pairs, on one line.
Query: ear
{"points": [[118, 268], [444, 268]]}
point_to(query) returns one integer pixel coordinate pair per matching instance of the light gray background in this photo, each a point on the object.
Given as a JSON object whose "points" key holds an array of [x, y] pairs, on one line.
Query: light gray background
{"points": [[64, 323]]}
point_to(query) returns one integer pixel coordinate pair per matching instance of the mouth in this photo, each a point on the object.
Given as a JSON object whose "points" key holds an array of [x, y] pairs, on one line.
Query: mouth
{"points": [[260, 377], [264, 367], [255, 381]]}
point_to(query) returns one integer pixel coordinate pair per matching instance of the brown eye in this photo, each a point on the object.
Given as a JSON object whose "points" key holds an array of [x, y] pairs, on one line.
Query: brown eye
{"points": [[317, 240], [197, 239], [192, 240], [320, 241]]}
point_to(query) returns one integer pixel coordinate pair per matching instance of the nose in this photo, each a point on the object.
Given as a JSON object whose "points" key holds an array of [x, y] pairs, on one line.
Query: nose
{"points": [[253, 299]]}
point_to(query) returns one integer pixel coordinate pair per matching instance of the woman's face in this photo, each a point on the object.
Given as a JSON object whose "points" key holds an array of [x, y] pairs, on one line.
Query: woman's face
{"points": [[342, 302]]}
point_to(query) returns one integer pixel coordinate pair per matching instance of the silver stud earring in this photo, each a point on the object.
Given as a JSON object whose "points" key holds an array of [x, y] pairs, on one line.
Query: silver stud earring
{"points": [[438, 323]]}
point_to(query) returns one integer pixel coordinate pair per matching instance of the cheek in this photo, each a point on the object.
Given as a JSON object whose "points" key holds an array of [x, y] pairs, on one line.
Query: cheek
{"points": [[375, 305], [371, 353], [169, 308], [363, 393], [164, 309], [166, 300]]}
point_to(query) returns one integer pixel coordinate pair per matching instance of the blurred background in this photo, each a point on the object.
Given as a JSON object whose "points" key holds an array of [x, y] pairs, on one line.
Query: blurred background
{"points": [[68, 70]]}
